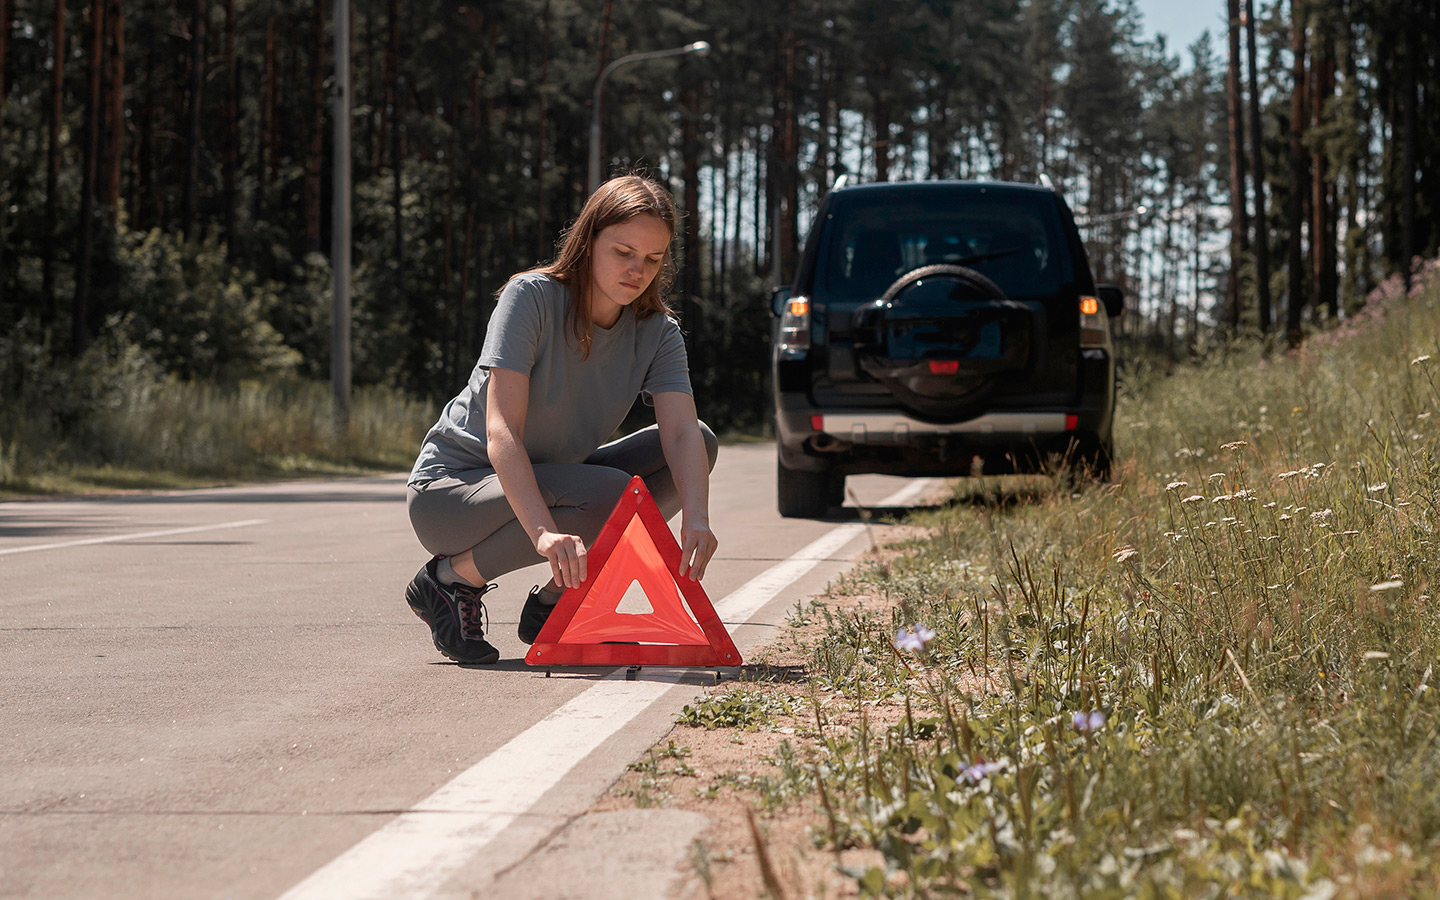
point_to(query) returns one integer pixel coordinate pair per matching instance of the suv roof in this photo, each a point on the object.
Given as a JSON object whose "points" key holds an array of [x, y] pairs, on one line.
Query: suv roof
{"points": [[931, 185]]}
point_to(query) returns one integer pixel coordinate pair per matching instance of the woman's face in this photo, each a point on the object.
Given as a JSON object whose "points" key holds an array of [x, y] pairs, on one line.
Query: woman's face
{"points": [[624, 260]]}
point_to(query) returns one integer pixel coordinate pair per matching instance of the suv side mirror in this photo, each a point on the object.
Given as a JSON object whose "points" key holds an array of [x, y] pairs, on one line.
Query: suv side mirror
{"points": [[779, 299], [1113, 296]]}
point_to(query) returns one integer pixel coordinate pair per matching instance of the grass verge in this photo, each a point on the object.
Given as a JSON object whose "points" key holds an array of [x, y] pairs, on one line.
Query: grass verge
{"points": [[1212, 677], [172, 434]]}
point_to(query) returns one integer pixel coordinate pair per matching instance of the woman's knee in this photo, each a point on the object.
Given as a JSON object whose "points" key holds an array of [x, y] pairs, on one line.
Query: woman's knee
{"points": [[712, 444]]}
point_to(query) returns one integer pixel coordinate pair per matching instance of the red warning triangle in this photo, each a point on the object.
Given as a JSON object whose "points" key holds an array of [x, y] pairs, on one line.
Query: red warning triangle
{"points": [[634, 549]]}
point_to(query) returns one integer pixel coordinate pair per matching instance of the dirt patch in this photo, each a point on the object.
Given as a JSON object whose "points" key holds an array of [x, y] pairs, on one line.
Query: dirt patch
{"points": [[766, 833]]}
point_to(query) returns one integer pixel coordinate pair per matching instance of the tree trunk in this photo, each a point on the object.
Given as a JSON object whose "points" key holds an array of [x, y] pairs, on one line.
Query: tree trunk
{"points": [[882, 135], [1411, 88], [316, 150], [690, 176], [231, 126], [267, 144], [391, 73], [449, 342], [144, 184], [4, 53], [762, 219], [1173, 280], [1322, 202], [1295, 301], [1239, 219], [80, 311], [607, 21], [395, 90], [114, 103], [197, 89], [824, 62], [52, 166], [1356, 255], [1263, 304], [540, 252], [466, 257], [788, 167]]}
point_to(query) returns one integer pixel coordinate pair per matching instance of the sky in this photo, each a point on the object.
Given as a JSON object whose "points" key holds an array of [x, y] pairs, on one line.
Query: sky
{"points": [[1181, 21]]}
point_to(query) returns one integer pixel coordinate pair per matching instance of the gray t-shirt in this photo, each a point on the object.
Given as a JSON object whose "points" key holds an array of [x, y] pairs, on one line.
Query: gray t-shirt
{"points": [[575, 404]]}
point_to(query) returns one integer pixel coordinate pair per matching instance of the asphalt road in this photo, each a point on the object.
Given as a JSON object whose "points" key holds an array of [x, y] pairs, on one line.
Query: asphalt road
{"points": [[222, 693]]}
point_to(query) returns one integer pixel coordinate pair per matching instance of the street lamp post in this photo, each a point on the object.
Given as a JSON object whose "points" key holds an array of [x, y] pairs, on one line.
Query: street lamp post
{"points": [[698, 47]]}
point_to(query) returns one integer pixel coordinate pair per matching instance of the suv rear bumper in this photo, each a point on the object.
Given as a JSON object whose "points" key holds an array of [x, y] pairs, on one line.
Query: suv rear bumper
{"points": [[852, 441], [898, 428]]}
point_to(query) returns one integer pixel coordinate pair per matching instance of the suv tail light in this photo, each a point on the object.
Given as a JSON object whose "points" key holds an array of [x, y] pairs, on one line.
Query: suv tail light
{"points": [[1094, 325], [795, 328]]}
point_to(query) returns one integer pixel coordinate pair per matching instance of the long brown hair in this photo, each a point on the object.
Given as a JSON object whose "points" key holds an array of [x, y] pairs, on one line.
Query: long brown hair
{"points": [[617, 201]]}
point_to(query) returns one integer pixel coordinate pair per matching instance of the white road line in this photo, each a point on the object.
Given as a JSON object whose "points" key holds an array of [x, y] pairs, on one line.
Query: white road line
{"points": [[132, 537], [413, 855]]}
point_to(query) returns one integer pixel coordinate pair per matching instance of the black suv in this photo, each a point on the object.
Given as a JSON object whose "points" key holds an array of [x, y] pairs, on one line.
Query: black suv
{"points": [[940, 328]]}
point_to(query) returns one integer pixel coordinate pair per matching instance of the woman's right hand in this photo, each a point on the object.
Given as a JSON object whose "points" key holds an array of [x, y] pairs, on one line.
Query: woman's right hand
{"points": [[567, 555]]}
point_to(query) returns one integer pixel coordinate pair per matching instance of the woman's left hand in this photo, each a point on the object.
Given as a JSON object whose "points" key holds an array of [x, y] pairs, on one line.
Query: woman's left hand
{"points": [[697, 545]]}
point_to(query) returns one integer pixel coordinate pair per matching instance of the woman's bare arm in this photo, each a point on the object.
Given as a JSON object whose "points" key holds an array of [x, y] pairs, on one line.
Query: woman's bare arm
{"points": [[684, 448]]}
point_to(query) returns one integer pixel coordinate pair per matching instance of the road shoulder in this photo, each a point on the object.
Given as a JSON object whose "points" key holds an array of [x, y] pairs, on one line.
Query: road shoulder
{"points": [[721, 762]]}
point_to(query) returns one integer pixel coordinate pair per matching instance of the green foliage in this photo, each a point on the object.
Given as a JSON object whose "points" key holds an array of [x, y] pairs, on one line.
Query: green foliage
{"points": [[739, 708], [187, 307], [1212, 677]]}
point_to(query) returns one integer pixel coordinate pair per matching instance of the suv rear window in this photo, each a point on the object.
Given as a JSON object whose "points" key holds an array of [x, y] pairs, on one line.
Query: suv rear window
{"points": [[1014, 239]]}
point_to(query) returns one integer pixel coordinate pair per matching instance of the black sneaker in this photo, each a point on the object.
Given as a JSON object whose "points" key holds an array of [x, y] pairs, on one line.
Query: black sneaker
{"points": [[534, 615], [455, 615]]}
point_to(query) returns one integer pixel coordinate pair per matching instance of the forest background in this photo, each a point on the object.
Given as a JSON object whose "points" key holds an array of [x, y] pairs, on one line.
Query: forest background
{"points": [[165, 179]]}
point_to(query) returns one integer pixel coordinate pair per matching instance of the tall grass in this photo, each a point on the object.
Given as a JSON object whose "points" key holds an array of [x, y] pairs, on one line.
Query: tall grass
{"points": [[155, 432], [1212, 677]]}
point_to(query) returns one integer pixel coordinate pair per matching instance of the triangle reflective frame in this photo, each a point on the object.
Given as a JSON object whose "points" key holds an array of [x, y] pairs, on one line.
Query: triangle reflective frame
{"points": [[634, 548]]}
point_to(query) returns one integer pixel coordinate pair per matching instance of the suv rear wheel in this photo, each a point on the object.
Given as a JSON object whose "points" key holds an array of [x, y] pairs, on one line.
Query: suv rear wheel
{"points": [[803, 494]]}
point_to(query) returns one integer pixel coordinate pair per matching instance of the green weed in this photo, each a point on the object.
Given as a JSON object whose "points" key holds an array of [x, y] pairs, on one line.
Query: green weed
{"points": [[740, 708]]}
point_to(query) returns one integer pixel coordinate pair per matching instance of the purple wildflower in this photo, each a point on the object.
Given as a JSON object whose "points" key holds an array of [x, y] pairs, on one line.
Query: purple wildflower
{"points": [[976, 772], [1091, 721]]}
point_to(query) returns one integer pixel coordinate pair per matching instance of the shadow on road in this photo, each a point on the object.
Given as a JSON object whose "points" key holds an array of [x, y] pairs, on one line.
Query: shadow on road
{"points": [[761, 672]]}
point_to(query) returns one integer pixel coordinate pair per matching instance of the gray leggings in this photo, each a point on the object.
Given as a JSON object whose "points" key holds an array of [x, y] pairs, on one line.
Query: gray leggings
{"points": [[466, 512]]}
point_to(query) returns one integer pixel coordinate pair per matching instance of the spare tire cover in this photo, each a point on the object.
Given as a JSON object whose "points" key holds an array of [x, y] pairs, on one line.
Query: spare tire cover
{"points": [[942, 338]]}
